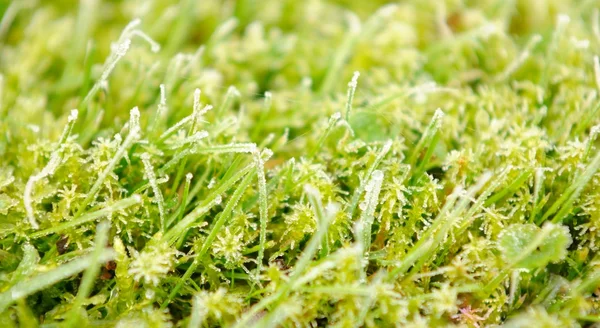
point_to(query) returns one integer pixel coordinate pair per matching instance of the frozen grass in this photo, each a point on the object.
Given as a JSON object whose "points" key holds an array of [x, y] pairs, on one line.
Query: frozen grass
{"points": [[299, 163]]}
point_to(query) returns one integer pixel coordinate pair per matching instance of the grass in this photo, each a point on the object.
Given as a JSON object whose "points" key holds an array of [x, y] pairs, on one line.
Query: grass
{"points": [[299, 163]]}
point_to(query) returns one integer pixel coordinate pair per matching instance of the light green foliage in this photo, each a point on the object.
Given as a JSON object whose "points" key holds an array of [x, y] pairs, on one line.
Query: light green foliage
{"points": [[223, 163]]}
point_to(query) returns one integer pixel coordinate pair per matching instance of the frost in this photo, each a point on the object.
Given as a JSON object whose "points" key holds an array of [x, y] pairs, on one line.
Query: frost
{"points": [[197, 111], [368, 206], [435, 230], [438, 118], [131, 25], [73, 116], [162, 108], [177, 126], [131, 138], [163, 97], [196, 107], [212, 183], [594, 131], [266, 154], [193, 139], [121, 49], [350, 94], [242, 147], [204, 110], [386, 147], [158, 197], [134, 119], [354, 82], [263, 206], [373, 188], [119, 52]]}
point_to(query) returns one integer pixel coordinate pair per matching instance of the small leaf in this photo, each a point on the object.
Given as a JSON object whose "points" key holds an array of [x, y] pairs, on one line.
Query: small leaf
{"points": [[28, 264], [528, 246]]}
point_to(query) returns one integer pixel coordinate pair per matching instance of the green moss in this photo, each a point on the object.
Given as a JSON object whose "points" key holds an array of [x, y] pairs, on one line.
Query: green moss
{"points": [[299, 163]]}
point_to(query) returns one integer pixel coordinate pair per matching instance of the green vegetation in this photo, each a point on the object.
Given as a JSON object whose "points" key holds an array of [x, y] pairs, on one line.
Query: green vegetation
{"points": [[299, 163]]}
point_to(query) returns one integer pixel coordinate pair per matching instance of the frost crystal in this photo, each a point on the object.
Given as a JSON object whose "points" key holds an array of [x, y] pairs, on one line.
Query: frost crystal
{"points": [[372, 189], [354, 82], [196, 107], [350, 95], [134, 119], [594, 131], [195, 138], [153, 183], [162, 105], [211, 183], [122, 48], [263, 206], [163, 97], [438, 117], [218, 200], [119, 51], [73, 116]]}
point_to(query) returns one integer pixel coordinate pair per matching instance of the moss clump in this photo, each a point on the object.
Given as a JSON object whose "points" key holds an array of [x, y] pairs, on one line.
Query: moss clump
{"points": [[299, 163]]}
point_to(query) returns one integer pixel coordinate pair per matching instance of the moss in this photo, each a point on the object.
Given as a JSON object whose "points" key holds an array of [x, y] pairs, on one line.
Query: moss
{"points": [[299, 163]]}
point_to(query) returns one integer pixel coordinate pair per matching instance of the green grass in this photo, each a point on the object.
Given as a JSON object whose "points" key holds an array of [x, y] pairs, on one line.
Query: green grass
{"points": [[299, 163]]}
